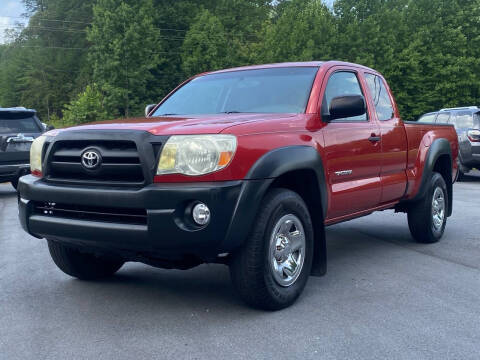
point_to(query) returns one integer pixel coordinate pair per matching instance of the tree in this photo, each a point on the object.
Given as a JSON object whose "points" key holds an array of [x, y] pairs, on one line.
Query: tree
{"points": [[126, 49], [89, 106], [205, 47], [437, 67], [137, 51], [306, 30]]}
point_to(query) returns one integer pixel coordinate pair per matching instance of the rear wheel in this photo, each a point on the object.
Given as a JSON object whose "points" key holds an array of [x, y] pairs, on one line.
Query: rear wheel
{"points": [[462, 170], [84, 266], [427, 218], [272, 268]]}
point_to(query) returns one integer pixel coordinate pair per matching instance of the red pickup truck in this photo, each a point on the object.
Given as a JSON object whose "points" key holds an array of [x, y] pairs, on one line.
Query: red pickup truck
{"points": [[244, 167]]}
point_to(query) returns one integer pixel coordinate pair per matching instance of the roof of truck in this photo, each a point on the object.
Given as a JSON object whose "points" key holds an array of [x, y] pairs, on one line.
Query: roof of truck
{"points": [[474, 108], [289, 64], [17, 109]]}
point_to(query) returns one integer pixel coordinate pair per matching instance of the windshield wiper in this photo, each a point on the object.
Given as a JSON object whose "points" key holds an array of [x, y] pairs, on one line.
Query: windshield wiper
{"points": [[172, 114], [236, 112]]}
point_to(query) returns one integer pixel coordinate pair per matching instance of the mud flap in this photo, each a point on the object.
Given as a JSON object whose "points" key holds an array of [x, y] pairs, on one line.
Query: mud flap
{"points": [[319, 265]]}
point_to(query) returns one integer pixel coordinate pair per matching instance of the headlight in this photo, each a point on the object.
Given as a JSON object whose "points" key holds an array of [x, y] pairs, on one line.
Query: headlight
{"points": [[196, 154], [36, 155]]}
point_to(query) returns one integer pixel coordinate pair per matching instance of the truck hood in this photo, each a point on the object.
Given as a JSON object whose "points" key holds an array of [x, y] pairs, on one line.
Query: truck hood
{"points": [[200, 124]]}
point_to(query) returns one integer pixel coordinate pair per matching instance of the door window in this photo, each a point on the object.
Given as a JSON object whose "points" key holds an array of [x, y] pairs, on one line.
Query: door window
{"points": [[381, 99], [342, 83], [443, 118]]}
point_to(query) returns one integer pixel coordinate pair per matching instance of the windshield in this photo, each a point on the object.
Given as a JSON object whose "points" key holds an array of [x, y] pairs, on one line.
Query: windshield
{"points": [[275, 90], [17, 123]]}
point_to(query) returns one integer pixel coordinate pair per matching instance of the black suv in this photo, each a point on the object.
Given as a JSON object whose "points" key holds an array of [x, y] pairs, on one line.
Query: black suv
{"points": [[467, 123], [18, 128]]}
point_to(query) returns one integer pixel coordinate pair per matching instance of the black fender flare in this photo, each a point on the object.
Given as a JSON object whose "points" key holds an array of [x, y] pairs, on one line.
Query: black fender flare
{"points": [[438, 148], [260, 177], [290, 158]]}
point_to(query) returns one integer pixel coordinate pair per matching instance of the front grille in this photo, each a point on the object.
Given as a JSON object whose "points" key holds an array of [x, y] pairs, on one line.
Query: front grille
{"points": [[120, 162], [92, 213]]}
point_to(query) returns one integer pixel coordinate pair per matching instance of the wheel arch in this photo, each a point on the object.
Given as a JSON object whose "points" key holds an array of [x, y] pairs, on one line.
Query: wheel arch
{"points": [[297, 168], [282, 162], [438, 159]]}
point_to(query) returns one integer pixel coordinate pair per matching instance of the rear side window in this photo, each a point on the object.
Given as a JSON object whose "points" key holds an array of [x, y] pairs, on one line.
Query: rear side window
{"points": [[476, 121], [443, 118], [17, 123], [464, 120], [381, 99], [342, 83], [428, 118]]}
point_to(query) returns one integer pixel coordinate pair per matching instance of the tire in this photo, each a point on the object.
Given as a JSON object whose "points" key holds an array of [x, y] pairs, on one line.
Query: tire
{"points": [[14, 183], [252, 268], [426, 223], [81, 265], [462, 170]]}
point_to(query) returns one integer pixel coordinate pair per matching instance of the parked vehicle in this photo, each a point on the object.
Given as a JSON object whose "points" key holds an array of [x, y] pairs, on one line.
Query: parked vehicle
{"points": [[18, 128], [467, 123], [244, 167]]}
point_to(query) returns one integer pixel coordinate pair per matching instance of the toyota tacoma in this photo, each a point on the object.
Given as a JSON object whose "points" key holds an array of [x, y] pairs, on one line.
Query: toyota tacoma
{"points": [[243, 167]]}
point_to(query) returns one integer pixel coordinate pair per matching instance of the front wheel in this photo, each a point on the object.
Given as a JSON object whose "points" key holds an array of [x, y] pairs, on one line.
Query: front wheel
{"points": [[84, 266], [427, 218], [272, 268]]}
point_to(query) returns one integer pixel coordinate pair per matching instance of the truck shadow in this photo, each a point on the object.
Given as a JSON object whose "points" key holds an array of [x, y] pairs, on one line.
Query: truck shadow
{"points": [[208, 288], [142, 289], [469, 179], [354, 244], [7, 191], [472, 176]]}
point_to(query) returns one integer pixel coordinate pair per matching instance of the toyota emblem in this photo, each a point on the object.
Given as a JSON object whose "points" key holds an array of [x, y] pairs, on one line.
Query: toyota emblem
{"points": [[91, 159]]}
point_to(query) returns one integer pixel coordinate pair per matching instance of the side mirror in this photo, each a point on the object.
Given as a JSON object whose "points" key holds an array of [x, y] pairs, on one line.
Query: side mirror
{"points": [[47, 127], [149, 108], [347, 106]]}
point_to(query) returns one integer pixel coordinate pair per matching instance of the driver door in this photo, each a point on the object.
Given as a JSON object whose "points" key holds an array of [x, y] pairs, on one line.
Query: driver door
{"points": [[352, 150]]}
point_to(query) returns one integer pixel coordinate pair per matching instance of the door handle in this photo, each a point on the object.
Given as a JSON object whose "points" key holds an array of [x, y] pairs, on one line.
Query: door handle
{"points": [[374, 138]]}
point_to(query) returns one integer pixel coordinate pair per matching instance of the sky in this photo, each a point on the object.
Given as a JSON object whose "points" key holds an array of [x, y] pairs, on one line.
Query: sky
{"points": [[10, 13]]}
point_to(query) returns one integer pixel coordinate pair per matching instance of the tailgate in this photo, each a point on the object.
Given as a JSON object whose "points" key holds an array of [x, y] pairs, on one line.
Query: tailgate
{"points": [[15, 149]]}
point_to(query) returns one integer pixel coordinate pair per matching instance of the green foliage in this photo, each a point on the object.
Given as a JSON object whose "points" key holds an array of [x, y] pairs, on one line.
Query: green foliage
{"points": [[125, 51], [35, 69], [206, 46], [135, 52], [87, 107], [305, 30]]}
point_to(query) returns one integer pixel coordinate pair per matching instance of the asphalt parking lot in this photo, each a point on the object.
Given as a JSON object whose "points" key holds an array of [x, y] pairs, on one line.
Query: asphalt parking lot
{"points": [[384, 297]]}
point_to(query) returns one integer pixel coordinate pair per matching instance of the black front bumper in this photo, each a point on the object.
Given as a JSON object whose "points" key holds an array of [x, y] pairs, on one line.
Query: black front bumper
{"points": [[12, 172], [167, 232]]}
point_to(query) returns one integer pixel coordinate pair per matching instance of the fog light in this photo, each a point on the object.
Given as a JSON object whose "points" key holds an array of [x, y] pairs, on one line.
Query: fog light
{"points": [[201, 214]]}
